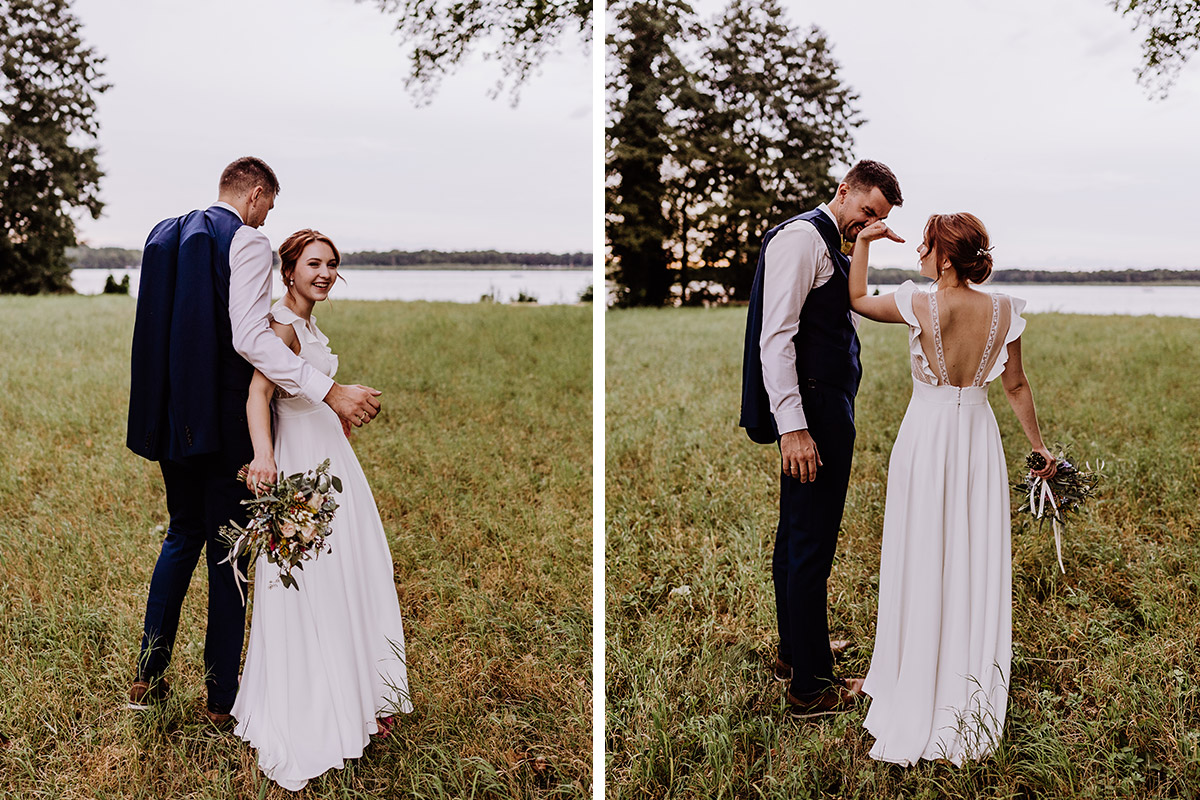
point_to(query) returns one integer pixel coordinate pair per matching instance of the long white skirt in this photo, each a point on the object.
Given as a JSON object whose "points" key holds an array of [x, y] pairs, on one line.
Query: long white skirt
{"points": [[325, 661], [939, 673]]}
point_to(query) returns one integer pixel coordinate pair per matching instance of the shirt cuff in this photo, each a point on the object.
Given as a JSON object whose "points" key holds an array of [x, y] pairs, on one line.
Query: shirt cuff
{"points": [[788, 421], [315, 390]]}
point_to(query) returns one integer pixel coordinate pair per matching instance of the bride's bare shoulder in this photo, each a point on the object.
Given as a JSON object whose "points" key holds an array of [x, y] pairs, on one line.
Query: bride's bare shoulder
{"points": [[287, 333]]}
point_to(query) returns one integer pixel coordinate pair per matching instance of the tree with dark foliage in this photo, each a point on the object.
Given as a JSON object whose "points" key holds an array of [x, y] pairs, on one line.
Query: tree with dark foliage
{"points": [[48, 86], [644, 89], [441, 33], [703, 157], [785, 121], [1172, 29]]}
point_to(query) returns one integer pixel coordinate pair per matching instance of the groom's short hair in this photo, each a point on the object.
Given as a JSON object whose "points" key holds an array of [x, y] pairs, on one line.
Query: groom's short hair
{"points": [[867, 175], [243, 175]]}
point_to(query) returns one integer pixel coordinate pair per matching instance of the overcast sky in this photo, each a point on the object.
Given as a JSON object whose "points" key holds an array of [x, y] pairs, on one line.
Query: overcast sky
{"points": [[314, 87], [1028, 114]]}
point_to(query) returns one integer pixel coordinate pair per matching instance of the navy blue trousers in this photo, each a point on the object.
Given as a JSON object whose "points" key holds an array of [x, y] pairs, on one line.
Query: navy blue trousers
{"points": [[202, 495], [810, 515]]}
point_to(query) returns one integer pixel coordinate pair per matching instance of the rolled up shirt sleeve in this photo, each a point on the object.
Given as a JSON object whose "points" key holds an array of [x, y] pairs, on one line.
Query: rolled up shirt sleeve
{"points": [[792, 268], [250, 261]]}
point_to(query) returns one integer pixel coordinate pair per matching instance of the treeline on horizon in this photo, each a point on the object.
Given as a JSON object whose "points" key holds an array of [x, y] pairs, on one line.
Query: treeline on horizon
{"points": [[119, 258], [894, 275]]}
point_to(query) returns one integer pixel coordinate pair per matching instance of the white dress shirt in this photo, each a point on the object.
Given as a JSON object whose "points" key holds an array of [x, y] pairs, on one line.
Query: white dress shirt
{"points": [[250, 262], [796, 262]]}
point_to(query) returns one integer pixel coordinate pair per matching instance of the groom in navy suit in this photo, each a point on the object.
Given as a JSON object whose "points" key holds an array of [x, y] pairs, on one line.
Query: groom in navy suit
{"points": [[200, 332], [800, 374]]}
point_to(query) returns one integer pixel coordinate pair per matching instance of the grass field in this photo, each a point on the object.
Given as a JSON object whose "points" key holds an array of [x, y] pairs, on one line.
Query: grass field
{"points": [[481, 466], [1105, 698]]}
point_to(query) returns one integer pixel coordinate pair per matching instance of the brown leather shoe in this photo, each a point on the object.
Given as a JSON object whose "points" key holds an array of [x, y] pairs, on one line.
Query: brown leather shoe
{"points": [[220, 721], [146, 691], [834, 700], [783, 672]]}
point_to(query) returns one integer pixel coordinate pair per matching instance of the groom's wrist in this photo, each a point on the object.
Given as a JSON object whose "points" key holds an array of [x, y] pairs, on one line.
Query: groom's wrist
{"points": [[790, 421], [318, 388]]}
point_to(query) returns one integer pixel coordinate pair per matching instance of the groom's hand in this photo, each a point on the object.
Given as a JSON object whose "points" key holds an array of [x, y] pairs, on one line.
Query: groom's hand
{"points": [[355, 404], [799, 456], [878, 230]]}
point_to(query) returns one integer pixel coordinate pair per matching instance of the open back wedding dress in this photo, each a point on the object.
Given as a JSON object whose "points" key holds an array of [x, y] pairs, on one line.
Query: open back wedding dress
{"points": [[939, 673], [323, 662]]}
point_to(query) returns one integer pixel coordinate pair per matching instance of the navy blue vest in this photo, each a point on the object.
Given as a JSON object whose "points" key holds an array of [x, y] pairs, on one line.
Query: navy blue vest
{"points": [[826, 342], [186, 378]]}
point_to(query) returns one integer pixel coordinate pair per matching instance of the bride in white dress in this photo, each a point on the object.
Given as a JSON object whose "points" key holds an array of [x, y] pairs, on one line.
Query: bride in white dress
{"points": [[325, 667], [939, 674]]}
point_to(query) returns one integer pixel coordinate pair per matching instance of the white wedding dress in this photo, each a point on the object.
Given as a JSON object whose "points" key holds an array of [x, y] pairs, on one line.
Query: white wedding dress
{"points": [[939, 673], [325, 661]]}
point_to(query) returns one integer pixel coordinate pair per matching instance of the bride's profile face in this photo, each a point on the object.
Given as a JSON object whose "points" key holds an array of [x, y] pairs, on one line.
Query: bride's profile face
{"points": [[315, 273], [928, 261]]}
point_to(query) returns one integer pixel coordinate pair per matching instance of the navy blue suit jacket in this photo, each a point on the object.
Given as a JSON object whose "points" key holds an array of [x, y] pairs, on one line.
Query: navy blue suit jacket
{"points": [[182, 339]]}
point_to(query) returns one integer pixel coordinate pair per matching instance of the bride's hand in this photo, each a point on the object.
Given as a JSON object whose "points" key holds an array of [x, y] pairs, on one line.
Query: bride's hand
{"points": [[1051, 467], [877, 230], [261, 471]]}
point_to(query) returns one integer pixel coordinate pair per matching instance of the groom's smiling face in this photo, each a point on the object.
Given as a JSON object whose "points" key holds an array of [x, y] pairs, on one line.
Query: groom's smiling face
{"points": [[859, 208]]}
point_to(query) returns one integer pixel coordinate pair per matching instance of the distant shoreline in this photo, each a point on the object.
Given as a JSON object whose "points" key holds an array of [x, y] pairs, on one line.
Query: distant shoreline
{"points": [[887, 276], [129, 258], [428, 267]]}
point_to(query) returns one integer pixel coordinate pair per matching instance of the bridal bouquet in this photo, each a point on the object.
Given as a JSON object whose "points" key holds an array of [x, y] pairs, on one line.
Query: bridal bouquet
{"points": [[1059, 497], [290, 520]]}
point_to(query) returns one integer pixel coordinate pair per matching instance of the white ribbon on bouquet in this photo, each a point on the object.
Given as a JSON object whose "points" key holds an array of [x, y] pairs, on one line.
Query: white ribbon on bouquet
{"points": [[1041, 488], [231, 559]]}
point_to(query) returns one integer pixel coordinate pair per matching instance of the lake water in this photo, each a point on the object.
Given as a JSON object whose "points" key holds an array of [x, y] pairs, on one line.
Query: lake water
{"points": [[1132, 299], [549, 286]]}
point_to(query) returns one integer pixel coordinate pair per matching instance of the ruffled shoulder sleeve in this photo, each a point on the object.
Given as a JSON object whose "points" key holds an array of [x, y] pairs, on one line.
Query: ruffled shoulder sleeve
{"points": [[904, 303], [1016, 323], [921, 368], [281, 313], [314, 345], [1016, 326], [307, 331]]}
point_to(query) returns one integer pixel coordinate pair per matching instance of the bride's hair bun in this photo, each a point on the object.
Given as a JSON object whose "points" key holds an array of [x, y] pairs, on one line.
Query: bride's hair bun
{"points": [[963, 240]]}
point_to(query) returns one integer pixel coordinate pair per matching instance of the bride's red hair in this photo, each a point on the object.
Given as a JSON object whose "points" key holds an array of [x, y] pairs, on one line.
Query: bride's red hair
{"points": [[963, 240]]}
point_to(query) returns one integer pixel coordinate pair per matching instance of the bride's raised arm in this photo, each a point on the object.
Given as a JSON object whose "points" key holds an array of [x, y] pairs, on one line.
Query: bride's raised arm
{"points": [[882, 308]]}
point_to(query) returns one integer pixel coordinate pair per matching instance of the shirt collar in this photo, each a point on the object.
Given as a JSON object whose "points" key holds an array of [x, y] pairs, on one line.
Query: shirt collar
{"points": [[828, 213], [227, 207]]}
